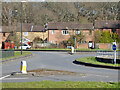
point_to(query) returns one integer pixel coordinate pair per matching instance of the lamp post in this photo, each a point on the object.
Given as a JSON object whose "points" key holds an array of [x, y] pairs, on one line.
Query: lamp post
{"points": [[16, 12], [21, 27], [45, 29]]}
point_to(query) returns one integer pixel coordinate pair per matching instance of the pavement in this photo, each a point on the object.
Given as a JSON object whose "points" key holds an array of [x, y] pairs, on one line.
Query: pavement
{"points": [[57, 61]]}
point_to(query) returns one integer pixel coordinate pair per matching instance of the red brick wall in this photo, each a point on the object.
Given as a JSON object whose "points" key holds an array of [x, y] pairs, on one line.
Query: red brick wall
{"points": [[101, 45], [88, 36], [58, 37], [83, 45], [104, 45]]}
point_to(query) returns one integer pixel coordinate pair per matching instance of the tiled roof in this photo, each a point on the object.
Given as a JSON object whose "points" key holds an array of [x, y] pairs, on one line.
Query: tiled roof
{"points": [[107, 24], [26, 27], [65, 25]]}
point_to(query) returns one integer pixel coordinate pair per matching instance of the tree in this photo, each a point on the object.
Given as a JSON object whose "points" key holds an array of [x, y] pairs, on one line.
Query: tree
{"points": [[79, 37], [106, 37], [97, 36]]}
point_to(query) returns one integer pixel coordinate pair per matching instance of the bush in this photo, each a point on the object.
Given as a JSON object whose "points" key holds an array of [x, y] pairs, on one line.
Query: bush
{"points": [[106, 37]]}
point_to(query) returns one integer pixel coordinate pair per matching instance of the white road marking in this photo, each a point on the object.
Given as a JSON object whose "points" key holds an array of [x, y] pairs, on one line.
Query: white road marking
{"points": [[4, 77]]}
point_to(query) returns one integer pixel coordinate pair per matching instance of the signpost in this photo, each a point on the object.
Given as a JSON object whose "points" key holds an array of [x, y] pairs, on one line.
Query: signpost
{"points": [[74, 42], [114, 48]]}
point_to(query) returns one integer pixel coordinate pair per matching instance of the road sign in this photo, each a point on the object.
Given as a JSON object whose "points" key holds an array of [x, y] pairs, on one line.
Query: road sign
{"points": [[73, 38], [114, 47]]}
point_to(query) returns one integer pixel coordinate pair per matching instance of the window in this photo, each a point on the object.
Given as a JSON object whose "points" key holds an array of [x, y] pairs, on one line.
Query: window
{"points": [[25, 33], [90, 32], [52, 32], [4, 34], [77, 32], [24, 45], [52, 41], [65, 32]]}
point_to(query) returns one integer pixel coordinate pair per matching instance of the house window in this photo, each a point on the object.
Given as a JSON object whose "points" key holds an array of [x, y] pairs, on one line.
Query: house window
{"points": [[25, 33], [65, 32], [52, 41], [77, 32], [3, 34], [52, 32], [90, 32]]}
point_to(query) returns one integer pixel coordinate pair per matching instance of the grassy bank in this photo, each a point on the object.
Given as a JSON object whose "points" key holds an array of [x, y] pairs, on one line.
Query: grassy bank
{"points": [[94, 61], [61, 84], [18, 54]]}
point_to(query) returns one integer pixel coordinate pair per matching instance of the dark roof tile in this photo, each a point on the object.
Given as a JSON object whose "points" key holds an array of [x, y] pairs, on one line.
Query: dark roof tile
{"points": [[107, 24], [65, 25]]}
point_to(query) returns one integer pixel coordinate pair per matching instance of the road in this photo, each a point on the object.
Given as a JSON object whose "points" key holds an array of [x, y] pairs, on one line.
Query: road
{"points": [[57, 61]]}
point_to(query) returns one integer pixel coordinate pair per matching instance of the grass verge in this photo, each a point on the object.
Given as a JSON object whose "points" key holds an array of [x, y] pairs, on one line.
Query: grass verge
{"points": [[94, 61], [18, 54], [61, 84], [70, 49]]}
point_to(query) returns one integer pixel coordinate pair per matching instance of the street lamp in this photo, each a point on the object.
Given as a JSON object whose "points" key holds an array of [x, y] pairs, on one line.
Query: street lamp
{"points": [[16, 12], [21, 27], [21, 23], [45, 28]]}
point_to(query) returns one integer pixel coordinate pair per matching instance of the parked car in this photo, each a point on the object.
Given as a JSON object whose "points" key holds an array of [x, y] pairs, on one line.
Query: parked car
{"points": [[25, 46]]}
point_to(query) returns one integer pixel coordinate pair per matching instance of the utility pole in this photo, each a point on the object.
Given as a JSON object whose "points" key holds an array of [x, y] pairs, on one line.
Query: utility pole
{"points": [[21, 27]]}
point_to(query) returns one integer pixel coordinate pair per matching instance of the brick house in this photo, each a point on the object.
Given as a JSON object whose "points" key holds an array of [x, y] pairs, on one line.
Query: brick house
{"points": [[109, 25], [4, 33], [29, 32], [61, 31]]}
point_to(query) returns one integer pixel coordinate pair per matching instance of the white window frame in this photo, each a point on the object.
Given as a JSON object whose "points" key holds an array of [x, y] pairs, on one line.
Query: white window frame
{"points": [[25, 33], [52, 41], [77, 32], [65, 32], [52, 32]]}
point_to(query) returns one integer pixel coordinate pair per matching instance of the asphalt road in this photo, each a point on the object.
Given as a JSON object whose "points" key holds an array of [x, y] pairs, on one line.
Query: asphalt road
{"points": [[57, 61]]}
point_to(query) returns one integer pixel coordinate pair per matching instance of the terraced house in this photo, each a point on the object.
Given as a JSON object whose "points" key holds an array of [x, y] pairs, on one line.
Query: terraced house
{"points": [[61, 31], [30, 33], [108, 25], [56, 32]]}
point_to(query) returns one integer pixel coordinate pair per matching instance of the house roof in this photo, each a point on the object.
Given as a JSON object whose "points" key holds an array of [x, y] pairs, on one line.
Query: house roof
{"points": [[65, 25], [107, 24], [26, 27]]}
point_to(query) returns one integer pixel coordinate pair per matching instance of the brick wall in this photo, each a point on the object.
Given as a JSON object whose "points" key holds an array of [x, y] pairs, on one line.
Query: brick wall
{"points": [[101, 45], [83, 45], [58, 36], [104, 45]]}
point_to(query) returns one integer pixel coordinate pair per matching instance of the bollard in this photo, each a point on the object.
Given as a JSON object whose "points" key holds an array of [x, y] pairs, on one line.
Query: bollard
{"points": [[23, 67], [72, 50]]}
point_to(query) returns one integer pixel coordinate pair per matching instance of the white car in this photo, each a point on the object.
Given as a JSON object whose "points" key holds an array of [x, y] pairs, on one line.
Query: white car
{"points": [[25, 46]]}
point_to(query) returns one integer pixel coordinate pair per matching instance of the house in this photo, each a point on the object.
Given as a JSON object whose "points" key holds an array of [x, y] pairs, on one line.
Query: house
{"points": [[61, 31], [109, 25], [4, 33], [29, 33]]}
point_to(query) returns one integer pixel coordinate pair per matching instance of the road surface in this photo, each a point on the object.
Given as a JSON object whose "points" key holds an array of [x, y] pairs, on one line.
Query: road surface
{"points": [[57, 61]]}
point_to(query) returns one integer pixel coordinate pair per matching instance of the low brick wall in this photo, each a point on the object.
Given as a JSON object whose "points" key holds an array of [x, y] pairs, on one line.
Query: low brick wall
{"points": [[83, 46], [104, 45]]}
